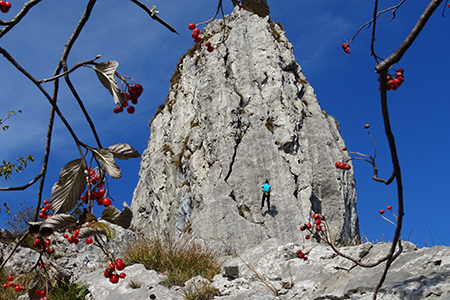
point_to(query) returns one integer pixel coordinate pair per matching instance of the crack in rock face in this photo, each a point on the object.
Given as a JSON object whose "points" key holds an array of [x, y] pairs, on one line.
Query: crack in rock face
{"points": [[233, 118]]}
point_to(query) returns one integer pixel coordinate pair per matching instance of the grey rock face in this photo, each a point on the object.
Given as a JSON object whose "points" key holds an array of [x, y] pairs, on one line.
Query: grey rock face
{"points": [[233, 118], [415, 274]]}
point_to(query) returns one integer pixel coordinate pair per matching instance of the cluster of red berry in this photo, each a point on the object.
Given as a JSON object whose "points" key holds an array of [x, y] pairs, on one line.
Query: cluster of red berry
{"points": [[98, 193], [317, 220], [341, 165], [4, 6], [198, 39], [301, 255], [16, 286], [134, 92], [41, 293], [111, 271], [44, 210], [381, 211], [38, 244], [394, 81], [73, 237], [346, 47]]}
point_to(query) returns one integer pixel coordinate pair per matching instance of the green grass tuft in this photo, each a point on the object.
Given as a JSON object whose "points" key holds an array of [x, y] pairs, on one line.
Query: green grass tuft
{"points": [[179, 261]]}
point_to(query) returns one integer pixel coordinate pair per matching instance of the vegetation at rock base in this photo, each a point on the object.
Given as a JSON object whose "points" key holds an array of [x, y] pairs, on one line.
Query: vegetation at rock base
{"points": [[9, 293], [65, 290], [178, 260], [202, 291]]}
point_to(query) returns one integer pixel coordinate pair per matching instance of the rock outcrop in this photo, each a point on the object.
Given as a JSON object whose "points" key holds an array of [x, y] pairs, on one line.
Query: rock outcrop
{"points": [[233, 118], [417, 274]]}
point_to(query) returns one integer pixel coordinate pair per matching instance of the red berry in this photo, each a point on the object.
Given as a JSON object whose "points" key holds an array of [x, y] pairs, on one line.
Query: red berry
{"points": [[41, 215], [381, 211], [95, 195], [42, 293], [9, 278], [316, 216], [318, 222], [100, 202], [337, 164], [45, 202], [114, 278], [89, 241], [191, 26], [400, 70], [106, 202], [308, 225], [302, 228], [122, 275], [66, 236], [341, 165], [367, 126], [347, 167], [307, 236], [197, 39], [344, 149], [208, 44], [130, 109], [210, 49], [389, 207], [318, 227], [107, 273], [120, 265], [5, 286], [102, 192], [195, 34], [10, 283]]}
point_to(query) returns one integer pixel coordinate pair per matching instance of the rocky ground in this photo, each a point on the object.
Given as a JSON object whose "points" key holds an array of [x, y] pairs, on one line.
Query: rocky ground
{"points": [[418, 273]]}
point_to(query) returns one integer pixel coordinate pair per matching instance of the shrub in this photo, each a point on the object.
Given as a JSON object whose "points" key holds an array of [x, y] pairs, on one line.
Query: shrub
{"points": [[178, 260]]}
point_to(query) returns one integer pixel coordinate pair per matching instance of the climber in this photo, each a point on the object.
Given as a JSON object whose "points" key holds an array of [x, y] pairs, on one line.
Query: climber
{"points": [[266, 188]]}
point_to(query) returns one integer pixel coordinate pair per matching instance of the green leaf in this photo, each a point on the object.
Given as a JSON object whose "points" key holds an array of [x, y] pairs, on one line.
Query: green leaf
{"points": [[67, 191], [110, 232], [113, 215], [107, 161], [105, 73], [123, 151]]}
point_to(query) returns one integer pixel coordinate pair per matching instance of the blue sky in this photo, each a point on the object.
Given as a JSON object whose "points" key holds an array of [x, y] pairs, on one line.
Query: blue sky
{"points": [[346, 87]]}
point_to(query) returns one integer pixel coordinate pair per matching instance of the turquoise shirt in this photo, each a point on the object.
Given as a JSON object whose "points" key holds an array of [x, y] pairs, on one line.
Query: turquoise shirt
{"points": [[266, 187]]}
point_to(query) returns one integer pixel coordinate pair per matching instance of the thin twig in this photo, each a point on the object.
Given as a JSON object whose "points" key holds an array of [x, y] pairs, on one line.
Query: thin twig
{"points": [[219, 6], [13, 250], [81, 64], [10, 24], [154, 16]]}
